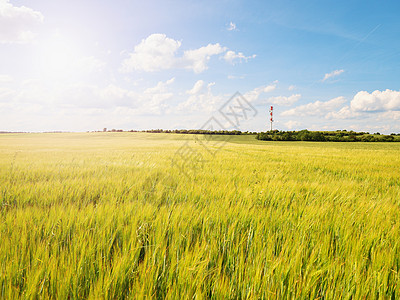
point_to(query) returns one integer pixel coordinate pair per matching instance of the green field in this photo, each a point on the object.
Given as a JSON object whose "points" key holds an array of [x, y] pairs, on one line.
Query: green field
{"points": [[106, 215]]}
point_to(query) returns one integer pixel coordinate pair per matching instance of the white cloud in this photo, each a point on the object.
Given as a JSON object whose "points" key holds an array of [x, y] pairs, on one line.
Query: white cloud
{"points": [[40, 105], [344, 113], [254, 94], [391, 115], [376, 101], [201, 98], [156, 52], [386, 105], [154, 99], [231, 56], [283, 100], [197, 59], [315, 108], [161, 85], [232, 26], [197, 88], [270, 88], [151, 100], [82, 96], [16, 23], [332, 74], [292, 124]]}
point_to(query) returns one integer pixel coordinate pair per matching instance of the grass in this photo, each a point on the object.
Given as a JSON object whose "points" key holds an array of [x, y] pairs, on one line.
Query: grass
{"points": [[106, 215]]}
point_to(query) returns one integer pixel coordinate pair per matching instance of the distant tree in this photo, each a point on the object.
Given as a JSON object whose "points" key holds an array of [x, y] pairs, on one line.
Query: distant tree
{"points": [[367, 138], [317, 136]]}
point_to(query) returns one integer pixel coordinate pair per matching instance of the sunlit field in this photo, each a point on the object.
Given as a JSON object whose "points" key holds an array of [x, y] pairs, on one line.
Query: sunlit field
{"points": [[107, 215]]}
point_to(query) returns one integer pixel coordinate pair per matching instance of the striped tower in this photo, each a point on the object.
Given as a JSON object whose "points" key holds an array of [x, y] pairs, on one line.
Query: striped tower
{"points": [[271, 114]]}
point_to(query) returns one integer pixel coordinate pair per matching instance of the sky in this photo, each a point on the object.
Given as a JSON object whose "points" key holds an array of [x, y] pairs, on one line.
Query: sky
{"points": [[88, 65]]}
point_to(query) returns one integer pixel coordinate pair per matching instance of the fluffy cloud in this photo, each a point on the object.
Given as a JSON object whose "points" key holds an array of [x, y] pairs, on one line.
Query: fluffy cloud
{"points": [[232, 56], [344, 113], [390, 115], [151, 100], [376, 101], [292, 124], [332, 74], [155, 99], [158, 52], [254, 94], [283, 100], [197, 88], [315, 108], [197, 59], [385, 103], [83, 96], [16, 23], [201, 98]]}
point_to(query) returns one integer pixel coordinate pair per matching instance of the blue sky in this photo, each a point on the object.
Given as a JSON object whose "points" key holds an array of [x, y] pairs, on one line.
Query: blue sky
{"points": [[85, 65]]}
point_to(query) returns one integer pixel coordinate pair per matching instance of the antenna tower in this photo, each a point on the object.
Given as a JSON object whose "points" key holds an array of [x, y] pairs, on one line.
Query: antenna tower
{"points": [[271, 114]]}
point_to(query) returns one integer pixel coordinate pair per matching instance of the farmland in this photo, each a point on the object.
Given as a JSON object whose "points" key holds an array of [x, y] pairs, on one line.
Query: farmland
{"points": [[107, 215]]}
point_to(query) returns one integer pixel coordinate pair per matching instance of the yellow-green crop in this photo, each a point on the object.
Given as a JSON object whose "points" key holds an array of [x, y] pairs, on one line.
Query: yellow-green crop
{"points": [[106, 215]]}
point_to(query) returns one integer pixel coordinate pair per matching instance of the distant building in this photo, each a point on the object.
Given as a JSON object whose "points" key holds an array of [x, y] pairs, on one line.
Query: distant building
{"points": [[104, 129]]}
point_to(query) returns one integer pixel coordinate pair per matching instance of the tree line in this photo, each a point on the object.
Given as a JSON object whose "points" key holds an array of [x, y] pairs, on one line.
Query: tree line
{"points": [[200, 131], [326, 136], [276, 135]]}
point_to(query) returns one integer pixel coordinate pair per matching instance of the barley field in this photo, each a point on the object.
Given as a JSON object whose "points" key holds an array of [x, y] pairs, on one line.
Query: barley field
{"points": [[108, 216]]}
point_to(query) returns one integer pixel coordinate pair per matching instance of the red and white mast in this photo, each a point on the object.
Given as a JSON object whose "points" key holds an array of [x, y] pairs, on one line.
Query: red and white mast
{"points": [[271, 114]]}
